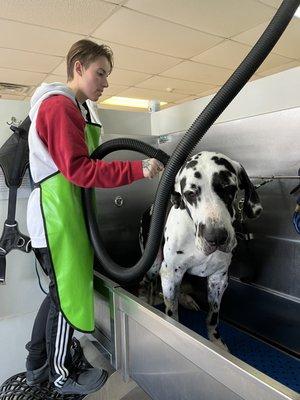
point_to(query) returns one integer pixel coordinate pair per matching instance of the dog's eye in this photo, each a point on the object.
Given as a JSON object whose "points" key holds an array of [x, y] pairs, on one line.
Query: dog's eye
{"points": [[229, 187], [230, 190]]}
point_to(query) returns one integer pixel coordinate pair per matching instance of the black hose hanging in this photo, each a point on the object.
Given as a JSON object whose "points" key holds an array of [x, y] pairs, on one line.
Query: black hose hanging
{"points": [[194, 134]]}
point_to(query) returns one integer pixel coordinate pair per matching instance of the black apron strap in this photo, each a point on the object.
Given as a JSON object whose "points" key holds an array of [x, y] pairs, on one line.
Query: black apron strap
{"points": [[88, 114]]}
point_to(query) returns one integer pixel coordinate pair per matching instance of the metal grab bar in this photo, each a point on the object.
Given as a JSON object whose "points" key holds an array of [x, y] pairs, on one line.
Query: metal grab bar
{"points": [[276, 177]]}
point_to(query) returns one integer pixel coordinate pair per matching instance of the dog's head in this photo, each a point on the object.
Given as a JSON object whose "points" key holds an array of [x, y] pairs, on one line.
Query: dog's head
{"points": [[206, 187]]}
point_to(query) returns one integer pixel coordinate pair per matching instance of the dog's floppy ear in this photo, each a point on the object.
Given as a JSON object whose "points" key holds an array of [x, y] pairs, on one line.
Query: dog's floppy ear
{"points": [[176, 199], [252, 205]]}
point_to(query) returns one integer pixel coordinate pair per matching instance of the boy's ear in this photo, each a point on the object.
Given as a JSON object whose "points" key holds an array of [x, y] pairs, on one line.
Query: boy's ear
{"points": [[78, 67]]}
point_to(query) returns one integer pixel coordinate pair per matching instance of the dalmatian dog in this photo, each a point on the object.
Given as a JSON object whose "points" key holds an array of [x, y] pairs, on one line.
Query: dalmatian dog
{"points": [[199, 236]]}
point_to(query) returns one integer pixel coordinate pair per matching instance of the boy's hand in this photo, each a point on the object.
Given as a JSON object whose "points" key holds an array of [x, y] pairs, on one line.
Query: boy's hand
{"points": [[151, 167]]}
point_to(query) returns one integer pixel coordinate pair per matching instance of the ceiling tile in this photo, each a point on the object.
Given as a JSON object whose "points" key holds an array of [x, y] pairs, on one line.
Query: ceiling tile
{"points": [[222, 18], [148, 33], [184, 100], [55, 78], [162, 83], [61, 69], [78, 16], [30, 92], [148, 37], [251, 36], [273, 61], [280, 68], [193, 71], [288, 44], [272, 3], [124, 77], [16, 35], [148, 94], [140, 60], [113, 90], [210, 92], [28, 61], [116, 1], [227, 54], [11, 97], [21, 77], [230, 54]]}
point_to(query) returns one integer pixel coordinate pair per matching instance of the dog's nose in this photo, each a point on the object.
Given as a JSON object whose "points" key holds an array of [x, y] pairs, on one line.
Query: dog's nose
{"points": [[215, 236]]}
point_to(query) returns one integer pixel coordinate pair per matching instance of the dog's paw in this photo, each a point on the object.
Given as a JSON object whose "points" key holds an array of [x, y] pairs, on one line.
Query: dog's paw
{"points": [[220, 344], [186, 301]]}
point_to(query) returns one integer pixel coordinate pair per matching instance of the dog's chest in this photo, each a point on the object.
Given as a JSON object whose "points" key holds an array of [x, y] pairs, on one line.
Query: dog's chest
{"points": [[195, 262], [218, 261], [180, 249]]}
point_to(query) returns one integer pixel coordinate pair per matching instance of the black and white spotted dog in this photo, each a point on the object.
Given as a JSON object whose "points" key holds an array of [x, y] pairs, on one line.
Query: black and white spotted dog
{"points": [[199, 236]]}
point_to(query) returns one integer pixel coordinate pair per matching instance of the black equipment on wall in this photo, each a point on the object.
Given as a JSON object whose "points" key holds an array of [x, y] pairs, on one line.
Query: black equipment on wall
{"points": [[14, 160]]}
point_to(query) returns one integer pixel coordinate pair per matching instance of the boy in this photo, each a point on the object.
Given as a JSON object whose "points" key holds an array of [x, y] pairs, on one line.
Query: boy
{"points": [[60, 141]]}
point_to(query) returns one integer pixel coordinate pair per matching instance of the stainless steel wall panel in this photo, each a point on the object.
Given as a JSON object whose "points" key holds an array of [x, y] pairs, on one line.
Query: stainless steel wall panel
{"points": [[271, 257], [165, 374], [104, 315], [119, 225], [265, 144]]}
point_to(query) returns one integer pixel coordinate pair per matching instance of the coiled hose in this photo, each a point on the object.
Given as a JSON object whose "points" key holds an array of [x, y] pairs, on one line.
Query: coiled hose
{"points": [[194, 134]]}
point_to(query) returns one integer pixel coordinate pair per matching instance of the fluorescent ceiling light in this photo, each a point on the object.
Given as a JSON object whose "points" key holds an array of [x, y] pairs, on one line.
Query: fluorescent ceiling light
{"points": [[128, 102], [297, 13]]}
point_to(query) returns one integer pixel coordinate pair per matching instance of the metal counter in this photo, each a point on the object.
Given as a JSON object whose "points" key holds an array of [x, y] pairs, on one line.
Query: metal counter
{"points": [[168, 360]]}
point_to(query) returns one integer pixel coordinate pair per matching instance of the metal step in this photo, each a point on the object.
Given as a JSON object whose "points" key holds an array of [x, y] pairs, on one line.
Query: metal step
{"points": [[115, 387]]}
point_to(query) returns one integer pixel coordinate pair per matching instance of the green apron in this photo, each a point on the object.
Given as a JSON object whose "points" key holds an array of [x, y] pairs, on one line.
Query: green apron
{"points": [[68, 243]]}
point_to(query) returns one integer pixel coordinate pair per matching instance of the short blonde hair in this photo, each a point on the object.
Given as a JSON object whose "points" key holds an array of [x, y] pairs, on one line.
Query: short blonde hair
{"points": [[86, 52]]}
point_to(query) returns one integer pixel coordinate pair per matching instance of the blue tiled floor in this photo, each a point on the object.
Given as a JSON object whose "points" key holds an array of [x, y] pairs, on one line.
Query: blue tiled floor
{"points": [[267, 359]]}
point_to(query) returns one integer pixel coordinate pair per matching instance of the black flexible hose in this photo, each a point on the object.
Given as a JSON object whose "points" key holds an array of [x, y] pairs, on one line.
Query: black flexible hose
{"points": [[118, 273], [194, 134]]}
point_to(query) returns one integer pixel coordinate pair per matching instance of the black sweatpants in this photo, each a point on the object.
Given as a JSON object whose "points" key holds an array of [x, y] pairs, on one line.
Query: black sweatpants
{"points": [[51, 334]]}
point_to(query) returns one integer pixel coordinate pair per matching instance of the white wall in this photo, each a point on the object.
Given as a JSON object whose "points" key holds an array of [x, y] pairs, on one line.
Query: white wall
{"points": [[125, 122], [21, 296], [272, 93]]}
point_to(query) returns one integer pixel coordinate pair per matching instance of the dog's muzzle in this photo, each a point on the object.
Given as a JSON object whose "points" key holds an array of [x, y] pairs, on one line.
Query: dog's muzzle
{"points": [[210, 238]]}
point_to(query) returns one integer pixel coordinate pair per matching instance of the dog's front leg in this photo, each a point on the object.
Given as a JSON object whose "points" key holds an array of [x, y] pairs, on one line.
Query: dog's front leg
{"points": [[171, 278], [216, 285]]}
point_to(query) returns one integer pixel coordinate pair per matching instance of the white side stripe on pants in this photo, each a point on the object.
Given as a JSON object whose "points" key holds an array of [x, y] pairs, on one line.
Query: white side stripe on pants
{"points": [[61, 344]]}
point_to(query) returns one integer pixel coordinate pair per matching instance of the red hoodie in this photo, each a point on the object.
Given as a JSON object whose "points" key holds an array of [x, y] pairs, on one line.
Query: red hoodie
{"points": [[60, 126]]}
